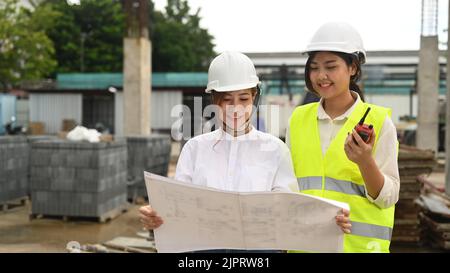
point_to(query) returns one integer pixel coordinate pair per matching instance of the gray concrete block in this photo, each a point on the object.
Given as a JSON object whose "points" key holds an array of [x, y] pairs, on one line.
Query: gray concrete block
{"points": [[77, 187], [147, 154], [13, 167]]}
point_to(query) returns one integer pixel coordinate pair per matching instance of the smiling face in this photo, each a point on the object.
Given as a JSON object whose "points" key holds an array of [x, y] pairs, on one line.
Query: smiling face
{"points": [[329, 74], [235, 107]]}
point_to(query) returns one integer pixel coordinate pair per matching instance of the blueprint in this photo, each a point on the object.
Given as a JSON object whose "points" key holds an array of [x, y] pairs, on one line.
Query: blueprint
{"points": [[200, 218]]}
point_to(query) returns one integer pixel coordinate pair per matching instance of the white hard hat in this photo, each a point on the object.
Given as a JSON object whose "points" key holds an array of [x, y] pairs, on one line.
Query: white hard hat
{"points": [[337, 37], [231, 71]]}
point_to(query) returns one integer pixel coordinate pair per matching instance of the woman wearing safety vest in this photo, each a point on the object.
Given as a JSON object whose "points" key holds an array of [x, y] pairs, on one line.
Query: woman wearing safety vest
{"points": [[330, 158], [235, 157]]}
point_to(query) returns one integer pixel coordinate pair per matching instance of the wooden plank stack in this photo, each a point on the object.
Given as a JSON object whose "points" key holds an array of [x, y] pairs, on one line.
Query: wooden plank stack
{"points": [[412, 163]]}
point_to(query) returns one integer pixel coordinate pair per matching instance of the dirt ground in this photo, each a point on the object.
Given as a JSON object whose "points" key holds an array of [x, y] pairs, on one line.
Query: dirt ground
{"points": [[19, 234]]}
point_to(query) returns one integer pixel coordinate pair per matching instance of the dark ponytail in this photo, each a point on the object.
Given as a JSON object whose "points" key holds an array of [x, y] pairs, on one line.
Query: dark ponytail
{"points": [[350, 59], [355, 87]]}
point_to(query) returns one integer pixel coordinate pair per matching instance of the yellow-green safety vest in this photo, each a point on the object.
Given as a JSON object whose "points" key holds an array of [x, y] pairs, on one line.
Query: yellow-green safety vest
{"points": [[335, 177]]}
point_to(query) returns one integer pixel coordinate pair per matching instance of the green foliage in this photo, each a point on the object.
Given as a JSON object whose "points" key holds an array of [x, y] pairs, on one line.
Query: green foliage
{"points": [[89, 37], [180, 43], [26, 53]]}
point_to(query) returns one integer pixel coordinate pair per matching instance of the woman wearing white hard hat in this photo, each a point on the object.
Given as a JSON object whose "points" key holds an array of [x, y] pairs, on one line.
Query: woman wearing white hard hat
{"points": [[336, 153], [235, 157]]}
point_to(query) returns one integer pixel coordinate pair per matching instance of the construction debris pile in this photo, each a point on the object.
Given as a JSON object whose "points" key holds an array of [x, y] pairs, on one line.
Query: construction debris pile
{"points": [[412, 162], [143, 244], [435, 215]]}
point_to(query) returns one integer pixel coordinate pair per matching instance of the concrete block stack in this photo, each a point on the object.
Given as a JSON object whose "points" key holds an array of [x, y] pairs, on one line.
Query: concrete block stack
{"points": [[14, 157], [78, 179], [146, 153], [32, 139]]}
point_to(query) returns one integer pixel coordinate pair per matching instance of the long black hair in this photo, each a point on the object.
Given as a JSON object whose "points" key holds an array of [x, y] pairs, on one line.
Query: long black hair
{"points": [[350, 59]]}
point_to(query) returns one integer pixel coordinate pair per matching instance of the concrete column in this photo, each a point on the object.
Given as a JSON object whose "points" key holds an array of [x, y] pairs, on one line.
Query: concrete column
{"points": [[428, 91], [137, 87]]}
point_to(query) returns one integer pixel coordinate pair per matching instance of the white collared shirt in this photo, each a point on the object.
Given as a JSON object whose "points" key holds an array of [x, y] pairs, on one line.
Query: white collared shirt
{"points": [[255, 161], [385, 155]]}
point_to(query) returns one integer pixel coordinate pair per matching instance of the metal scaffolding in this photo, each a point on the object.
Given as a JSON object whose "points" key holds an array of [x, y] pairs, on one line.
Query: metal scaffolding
{"points": [[430, 9]]}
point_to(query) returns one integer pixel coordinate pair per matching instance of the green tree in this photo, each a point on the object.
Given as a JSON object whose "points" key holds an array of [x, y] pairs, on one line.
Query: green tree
{"points": [[179, 42], [89, 37], [26, 53]]}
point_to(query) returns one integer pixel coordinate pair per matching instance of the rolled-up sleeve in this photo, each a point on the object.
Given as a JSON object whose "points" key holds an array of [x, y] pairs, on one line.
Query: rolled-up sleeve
{"points": [[386, 159]]}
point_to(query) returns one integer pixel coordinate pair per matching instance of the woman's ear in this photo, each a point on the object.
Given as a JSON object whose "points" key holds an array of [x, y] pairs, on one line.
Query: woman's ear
{"points": [[353, 69], [253, 93]]}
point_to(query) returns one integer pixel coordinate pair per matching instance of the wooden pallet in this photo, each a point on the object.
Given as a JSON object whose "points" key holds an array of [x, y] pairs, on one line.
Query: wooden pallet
{"points": [[106, 217], [138, 200], [413, 233], [407, 152], [406, 222], [408, 174], [406, 239], [437, 242], [9, 205], [435, 225], [437, 233]]}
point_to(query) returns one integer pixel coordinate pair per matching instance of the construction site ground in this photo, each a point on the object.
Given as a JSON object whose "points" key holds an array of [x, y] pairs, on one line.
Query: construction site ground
{"points": [[19, 234]]}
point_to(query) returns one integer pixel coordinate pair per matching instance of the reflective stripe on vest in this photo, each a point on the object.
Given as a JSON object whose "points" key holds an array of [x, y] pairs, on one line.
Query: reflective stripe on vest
{"points": [[331, 184], [310, 183], [373, 231]]}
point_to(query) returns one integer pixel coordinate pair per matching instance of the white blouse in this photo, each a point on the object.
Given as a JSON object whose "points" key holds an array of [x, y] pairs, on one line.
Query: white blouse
{"points": [[252, 162]]}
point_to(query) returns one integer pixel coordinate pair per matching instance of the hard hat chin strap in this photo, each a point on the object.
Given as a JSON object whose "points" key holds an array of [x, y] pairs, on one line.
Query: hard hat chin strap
{"points": [[256, 104], [242, 130]]}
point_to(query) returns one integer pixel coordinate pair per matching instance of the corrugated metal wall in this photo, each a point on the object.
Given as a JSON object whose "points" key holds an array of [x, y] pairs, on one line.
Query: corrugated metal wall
{"points": [[162, 103], [7, 110], [52, 109], [22, 111]]}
